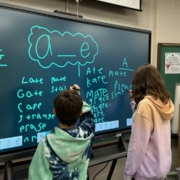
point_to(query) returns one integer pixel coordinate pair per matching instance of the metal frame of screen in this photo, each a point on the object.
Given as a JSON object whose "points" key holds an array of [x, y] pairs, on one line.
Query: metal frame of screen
{"points": [[11, 155], [140, 5]]}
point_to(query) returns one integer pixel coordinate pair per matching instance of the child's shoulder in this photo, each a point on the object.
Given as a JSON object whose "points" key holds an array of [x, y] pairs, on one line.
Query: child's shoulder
{"points": [[43, 146]]}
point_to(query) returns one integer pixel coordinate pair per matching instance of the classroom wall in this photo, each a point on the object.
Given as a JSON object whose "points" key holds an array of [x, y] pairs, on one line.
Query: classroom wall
{"points": [[159, 16]]}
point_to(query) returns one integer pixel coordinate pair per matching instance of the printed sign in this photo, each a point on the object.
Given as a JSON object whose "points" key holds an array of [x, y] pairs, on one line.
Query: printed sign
{"points": [[172, 63]]}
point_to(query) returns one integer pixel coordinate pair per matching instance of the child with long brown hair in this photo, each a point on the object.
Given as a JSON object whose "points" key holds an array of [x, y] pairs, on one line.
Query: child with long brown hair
{"points": [[149, 151]]}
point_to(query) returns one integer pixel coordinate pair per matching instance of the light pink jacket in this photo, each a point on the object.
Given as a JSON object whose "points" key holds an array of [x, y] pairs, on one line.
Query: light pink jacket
{"points": [[149, 151]]}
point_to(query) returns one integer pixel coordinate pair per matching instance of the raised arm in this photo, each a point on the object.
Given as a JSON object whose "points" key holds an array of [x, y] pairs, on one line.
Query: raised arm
{"points": [[86, 125]]}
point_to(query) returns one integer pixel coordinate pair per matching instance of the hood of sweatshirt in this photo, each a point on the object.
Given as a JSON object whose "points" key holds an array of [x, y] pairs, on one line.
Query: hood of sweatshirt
{"points": [[67, 147], [166, 110]]}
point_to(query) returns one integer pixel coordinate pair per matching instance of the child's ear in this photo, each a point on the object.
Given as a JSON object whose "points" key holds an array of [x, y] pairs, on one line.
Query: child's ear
{"points": [[54, 112], [81, 113]]}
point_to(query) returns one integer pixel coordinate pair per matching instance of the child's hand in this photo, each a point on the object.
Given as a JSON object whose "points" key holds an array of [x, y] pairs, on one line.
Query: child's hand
{"points": [[130, 94], [75, 87]]}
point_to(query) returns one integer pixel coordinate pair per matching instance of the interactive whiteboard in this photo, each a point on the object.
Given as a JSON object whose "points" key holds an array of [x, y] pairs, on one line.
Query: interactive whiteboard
{"points": [[42, 54]]}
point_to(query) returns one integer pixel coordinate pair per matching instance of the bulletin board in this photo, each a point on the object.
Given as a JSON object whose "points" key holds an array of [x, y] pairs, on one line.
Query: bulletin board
{"points": [[172, 77], [168, 64]]}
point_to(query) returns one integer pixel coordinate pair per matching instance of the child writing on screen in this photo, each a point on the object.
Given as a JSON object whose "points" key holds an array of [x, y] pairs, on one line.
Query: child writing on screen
{"points": [[149, 151], [64, 153]]}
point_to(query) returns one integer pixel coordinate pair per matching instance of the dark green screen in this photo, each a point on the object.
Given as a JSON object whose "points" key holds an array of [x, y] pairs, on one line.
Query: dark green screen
{"points": [[42, 55]]}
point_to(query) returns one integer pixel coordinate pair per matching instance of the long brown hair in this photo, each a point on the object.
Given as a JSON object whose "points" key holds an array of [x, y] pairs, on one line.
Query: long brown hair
{"points": [[148, 81]]}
